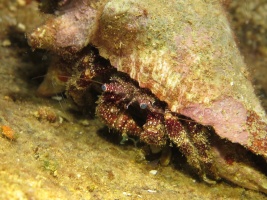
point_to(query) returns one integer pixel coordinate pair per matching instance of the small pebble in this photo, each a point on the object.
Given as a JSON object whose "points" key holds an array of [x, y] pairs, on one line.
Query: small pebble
{"points": [[152, 191], [153, 172], [8, 132], [58, 98], [21, 2], [21, 26], [60, 119], [126, 193], [6, 43]]}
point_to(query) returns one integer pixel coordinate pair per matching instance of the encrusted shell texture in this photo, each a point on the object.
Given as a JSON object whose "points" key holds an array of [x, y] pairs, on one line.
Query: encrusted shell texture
{"points": [[187, 59]]}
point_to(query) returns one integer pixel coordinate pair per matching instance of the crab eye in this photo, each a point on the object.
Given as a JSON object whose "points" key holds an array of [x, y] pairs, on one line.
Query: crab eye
{"points": [[143, 105], [103, 87]]}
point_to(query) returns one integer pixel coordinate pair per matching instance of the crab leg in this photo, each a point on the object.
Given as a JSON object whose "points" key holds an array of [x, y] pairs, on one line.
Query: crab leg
{"points": [[116, 118], [193, 145]]}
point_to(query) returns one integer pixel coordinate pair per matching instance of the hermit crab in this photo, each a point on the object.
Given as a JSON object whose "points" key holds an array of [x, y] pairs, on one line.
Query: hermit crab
{"points": [[171, 74]]}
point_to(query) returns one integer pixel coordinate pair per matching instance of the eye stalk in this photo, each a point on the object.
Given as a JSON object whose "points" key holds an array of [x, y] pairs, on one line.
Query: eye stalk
{"points": [[104, 88], [143, 105]]}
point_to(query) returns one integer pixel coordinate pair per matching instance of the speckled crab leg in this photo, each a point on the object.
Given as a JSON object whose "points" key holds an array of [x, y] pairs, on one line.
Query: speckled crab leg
{"points": [[115, 117], [194, 145]]}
